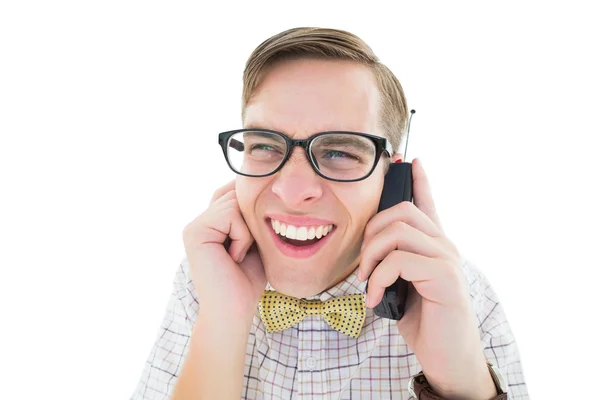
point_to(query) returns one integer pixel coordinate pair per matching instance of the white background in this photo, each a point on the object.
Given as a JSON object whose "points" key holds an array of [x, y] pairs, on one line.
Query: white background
{"points": [[109, 113]]}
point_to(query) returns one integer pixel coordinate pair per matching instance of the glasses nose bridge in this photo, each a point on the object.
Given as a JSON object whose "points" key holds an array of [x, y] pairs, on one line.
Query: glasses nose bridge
{"points": [[299, 142], [304, 143]]}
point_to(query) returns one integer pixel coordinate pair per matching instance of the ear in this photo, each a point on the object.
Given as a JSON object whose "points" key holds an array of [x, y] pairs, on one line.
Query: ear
{"points": [[397, 157]]}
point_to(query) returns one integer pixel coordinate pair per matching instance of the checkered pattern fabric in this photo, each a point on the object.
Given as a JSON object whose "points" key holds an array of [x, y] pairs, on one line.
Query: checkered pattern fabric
{"points": [[310, 360], [345, 314]]}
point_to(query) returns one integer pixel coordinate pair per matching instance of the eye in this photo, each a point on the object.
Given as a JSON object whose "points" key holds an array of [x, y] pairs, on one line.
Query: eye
{"points": [[264, 150], [264, 147], [336, 155]]}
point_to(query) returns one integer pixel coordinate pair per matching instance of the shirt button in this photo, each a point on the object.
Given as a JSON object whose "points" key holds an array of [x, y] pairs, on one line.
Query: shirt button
{"points": [[311, 363]]}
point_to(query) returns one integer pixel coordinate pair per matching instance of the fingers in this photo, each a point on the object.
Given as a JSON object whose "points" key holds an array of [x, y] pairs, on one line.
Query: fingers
{"points": [[236, 233], [221, 222], [226, 197], [397, 236], [406, 212], [222, 190], [423, 272]]}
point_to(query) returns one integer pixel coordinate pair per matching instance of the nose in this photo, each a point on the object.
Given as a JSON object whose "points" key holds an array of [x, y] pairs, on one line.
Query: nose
{"points": [[297, 184]]}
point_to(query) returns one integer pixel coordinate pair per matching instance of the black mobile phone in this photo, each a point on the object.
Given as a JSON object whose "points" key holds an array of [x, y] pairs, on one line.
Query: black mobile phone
{"points": [[397, 187]]}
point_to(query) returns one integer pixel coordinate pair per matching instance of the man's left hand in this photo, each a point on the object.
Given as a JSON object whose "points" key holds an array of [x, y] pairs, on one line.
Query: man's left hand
{"points": [[439, 324]]}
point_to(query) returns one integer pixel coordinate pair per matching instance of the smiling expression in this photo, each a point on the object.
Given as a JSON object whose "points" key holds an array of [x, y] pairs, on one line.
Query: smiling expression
{"points": [[309, 229]]}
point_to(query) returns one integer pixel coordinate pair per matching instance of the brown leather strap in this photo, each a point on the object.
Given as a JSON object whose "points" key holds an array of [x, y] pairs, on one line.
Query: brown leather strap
{"points": [[424, 392]]}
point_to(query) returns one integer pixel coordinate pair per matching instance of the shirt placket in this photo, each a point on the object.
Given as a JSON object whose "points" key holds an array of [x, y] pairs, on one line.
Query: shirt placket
{"points": [[310, 379]]}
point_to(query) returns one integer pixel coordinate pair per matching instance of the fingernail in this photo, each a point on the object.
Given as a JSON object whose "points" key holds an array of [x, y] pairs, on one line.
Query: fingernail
{"points": [[241, 257]]}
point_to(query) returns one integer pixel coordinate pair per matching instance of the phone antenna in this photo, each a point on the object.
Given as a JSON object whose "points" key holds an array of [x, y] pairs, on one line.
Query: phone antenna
{"points": [[412, 112]]}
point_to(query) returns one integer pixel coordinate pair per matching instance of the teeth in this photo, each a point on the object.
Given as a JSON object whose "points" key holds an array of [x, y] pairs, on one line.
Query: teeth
{"points": [[277, 226], [319, 232], [290, 232], [301, 232]]}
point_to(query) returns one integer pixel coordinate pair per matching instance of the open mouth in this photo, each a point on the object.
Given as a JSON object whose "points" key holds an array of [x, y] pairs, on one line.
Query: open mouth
{"points": [[300, 241], [300, 235]]}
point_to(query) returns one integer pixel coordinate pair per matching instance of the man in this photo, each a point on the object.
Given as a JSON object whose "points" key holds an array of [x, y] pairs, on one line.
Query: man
{"points": [[301, 221]]}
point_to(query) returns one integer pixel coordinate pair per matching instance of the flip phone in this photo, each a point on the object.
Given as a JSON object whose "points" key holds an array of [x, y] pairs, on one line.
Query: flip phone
{"points": [[397, 187]]}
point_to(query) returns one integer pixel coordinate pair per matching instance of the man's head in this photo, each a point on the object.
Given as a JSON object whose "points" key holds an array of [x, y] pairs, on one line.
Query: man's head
{"points": [[301, 82]]}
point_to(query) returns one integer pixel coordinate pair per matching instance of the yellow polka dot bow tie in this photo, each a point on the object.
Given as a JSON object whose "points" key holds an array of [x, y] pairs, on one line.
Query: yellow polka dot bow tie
{"points": [[345, 314]]}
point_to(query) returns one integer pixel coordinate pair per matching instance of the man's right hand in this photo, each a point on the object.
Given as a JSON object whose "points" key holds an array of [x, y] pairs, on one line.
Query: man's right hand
{"points": [[229, 282]]}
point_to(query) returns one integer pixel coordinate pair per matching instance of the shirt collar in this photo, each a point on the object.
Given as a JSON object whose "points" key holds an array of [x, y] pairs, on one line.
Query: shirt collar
{"points": [[350, 285]]}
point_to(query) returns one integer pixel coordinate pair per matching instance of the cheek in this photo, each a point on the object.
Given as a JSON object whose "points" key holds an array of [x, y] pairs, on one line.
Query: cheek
{"points": [[361, 203], [248, 191], [366, 209]]}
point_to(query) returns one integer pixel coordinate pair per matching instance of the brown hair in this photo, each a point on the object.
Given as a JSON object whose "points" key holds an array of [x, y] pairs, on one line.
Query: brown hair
{"points": [[333, 44]]}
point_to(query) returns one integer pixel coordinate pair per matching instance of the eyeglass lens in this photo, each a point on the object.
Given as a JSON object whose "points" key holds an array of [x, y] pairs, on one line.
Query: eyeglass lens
{"points": [[335, 155]]}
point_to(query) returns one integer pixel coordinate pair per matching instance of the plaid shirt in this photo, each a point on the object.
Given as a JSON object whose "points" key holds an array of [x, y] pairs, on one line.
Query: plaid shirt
{"points": [[311, 360]]}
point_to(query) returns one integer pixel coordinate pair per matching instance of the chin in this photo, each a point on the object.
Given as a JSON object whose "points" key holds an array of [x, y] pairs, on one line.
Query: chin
{"points": [[296, 278], [306, 277], [306, 260]]}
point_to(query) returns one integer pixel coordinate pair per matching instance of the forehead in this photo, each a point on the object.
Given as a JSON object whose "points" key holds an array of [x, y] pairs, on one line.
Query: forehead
{"points": [[303, 97]]}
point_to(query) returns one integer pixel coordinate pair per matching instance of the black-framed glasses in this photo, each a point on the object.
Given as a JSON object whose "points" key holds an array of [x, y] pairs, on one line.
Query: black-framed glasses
{"points": [[336, 155]]}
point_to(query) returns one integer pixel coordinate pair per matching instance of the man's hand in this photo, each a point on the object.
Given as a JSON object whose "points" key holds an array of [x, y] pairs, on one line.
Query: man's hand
{"points": [[439, 324], [228, 281]]}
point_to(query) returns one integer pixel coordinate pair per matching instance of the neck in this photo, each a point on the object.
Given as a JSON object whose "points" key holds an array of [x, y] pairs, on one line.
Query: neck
{"points": [[344, 274]]}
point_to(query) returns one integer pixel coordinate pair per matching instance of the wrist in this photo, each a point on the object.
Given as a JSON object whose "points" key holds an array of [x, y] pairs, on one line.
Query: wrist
{"points": [[220, 323], [466, 377], [477, 387]]}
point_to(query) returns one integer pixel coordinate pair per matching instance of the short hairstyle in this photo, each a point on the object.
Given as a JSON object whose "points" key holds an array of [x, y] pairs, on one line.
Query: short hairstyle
{"points": [[330, 44]]}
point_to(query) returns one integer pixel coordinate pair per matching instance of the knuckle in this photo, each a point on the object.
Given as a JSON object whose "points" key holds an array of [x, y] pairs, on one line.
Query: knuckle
{"points": [[405, 206], [400, 226], [453, 271], [369, 230], [191, 234], [191, 228]]}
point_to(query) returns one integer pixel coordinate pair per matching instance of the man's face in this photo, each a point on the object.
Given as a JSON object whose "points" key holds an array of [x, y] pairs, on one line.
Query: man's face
{"points": [[300, 98]]}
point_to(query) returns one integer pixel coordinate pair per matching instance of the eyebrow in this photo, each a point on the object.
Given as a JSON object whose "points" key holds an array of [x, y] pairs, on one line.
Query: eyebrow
{"points": [[258, 134], [356, 142]]}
